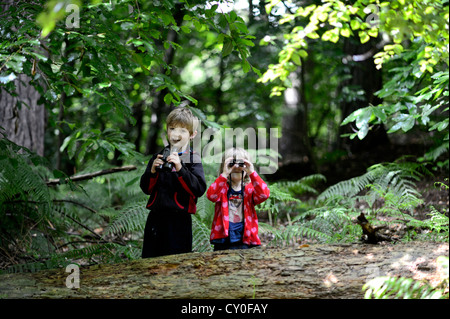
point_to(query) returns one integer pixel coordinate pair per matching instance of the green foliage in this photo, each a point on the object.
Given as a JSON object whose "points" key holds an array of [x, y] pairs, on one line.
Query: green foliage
{"points": [[283, 194], [43, 227], [364, 19], [407, 288], [386, 191], [393, 182], [412, 46], [112, 59], [25, 201], [201, 225], [389, 190]]}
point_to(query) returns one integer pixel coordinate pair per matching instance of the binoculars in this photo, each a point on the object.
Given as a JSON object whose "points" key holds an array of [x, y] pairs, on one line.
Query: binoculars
{"points": [[166, 166], [239, 162]]}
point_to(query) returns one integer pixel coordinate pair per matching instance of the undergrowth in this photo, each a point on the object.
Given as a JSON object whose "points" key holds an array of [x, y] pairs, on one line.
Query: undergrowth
{"points": [[386, 287]]}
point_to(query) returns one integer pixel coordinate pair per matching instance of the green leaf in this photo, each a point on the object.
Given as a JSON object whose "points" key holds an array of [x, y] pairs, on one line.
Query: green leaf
{"points": [[355, 24], [168, 98], [246, 66], [7, 78], [363, 131], [379, 112], [345, 32], [363, 36], [227, 46], [296, 59]]}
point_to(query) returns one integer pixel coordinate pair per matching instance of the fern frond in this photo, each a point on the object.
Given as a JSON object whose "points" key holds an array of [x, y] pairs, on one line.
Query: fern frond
{"points": [[348, 188], [400, 288], [200, 235], [286, 235], [391, 181], [434, 153], [301, 186], [133, 218]]}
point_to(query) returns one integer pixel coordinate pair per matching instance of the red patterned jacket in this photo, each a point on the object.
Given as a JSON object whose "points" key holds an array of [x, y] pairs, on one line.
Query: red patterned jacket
{"points": [[255, 192]]}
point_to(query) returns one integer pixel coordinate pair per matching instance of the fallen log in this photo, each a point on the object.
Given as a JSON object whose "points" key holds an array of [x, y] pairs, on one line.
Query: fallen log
{"points": [[315, 271]]}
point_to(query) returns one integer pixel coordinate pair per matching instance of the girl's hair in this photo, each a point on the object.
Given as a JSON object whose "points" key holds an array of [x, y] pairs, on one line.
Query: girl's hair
{"points": [[182, 116], [236, 153]]}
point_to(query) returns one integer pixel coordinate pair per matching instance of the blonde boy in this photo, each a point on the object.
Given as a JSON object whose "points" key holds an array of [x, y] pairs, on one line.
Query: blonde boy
{"points": [[174, 183]]}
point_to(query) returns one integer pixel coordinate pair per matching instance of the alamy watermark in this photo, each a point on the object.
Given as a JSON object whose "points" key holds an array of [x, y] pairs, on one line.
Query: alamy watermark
{"points": [[260, 143], [373, 12], [73, 19], [73, 280]]}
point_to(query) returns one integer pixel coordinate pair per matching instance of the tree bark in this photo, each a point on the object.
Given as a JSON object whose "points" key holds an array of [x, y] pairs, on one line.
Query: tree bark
{"points": [[316, 271], [24, 123], [24, 126], [295, 148]]}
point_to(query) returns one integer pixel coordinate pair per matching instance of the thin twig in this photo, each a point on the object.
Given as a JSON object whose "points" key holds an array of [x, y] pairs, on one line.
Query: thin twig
{"points": [[52, 182]]}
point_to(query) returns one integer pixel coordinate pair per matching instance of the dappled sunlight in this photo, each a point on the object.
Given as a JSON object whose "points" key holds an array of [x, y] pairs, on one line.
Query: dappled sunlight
{"points": [[330, 279]]}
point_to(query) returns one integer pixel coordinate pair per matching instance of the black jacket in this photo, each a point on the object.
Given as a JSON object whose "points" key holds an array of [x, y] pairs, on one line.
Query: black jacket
{"points": [[175, 191]]}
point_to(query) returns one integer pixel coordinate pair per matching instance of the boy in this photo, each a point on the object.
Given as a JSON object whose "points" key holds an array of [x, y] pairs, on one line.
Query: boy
{"points": [[173, 192]]}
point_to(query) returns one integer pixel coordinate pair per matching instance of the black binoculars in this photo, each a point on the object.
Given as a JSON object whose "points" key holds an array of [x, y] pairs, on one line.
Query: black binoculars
{"points": [[167, 166], [239, 162]]}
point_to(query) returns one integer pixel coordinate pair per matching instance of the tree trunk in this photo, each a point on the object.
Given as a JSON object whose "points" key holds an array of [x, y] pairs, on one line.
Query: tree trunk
{"points": [[364, 76], [316, 271], [23, 125], [22, 118], [295, 148]]}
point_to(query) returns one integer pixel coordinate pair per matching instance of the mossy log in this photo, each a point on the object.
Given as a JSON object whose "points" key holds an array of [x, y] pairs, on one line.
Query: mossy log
{"points": [[315, 271]]}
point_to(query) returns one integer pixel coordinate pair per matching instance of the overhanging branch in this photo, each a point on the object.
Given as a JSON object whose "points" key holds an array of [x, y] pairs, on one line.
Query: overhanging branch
{"points": [[77, 178]]}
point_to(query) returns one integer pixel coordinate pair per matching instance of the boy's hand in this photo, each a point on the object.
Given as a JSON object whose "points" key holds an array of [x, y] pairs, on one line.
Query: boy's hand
{"points": [[158, 161], [175, 160]]}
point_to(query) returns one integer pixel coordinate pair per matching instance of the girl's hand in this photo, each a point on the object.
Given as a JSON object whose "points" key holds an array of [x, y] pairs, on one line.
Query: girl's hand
{"points": [[226, 169], [248, 167], [175, 160], [157, 162]]}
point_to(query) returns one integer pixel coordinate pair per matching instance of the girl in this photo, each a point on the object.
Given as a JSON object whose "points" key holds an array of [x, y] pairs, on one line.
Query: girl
{"points": [[236, 192]]}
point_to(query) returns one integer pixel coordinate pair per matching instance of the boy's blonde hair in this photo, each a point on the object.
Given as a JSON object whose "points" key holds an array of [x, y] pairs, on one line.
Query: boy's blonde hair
{"points": [[183, 116], [236, 153]]}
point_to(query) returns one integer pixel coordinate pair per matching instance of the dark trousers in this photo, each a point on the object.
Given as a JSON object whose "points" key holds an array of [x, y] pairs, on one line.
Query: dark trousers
{"points": [[167, 233], [227, 245]]}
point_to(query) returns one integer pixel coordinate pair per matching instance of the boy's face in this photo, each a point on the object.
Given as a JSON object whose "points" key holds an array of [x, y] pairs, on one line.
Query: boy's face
{"points": [[178, 136]]}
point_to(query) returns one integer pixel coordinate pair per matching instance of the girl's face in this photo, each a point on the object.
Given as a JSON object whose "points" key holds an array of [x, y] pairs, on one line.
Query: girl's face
{"points": [[236, 174], [178, 137]]}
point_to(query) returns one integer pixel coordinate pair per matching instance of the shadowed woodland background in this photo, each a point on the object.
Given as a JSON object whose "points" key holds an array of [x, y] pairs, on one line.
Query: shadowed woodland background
{"points": [[358, 91]]}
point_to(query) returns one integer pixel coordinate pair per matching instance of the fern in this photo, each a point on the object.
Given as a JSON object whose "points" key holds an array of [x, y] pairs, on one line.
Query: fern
{"points": [[130, 219], [391, 176], [200, 235], [407, 288], [288, 235], [392, 183], [282, 194], [25, 201]]}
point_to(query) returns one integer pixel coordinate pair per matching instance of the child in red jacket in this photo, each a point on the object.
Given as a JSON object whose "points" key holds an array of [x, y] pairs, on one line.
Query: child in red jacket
{"points": [[236, 192]]}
